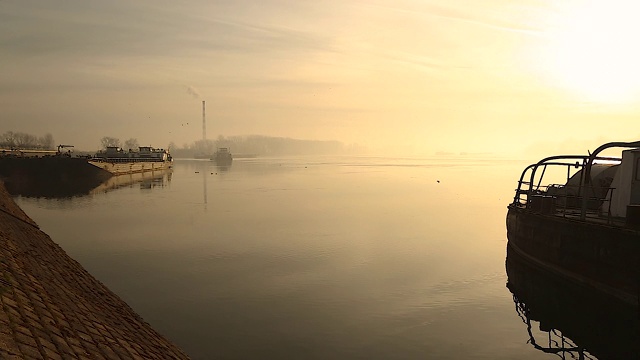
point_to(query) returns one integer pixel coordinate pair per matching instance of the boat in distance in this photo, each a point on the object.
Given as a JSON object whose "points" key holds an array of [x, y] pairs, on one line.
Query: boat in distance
{"points": [[117, 161], [222, 156], [586, 229]]}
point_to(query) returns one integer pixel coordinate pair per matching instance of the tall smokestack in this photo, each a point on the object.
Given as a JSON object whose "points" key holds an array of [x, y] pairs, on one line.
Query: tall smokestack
{"points": [[204, 124]]}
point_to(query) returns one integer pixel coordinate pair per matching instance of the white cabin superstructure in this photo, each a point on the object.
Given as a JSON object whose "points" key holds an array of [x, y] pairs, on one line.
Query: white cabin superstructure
{"points": [[626, 183], [118, 161], [144, 153]]}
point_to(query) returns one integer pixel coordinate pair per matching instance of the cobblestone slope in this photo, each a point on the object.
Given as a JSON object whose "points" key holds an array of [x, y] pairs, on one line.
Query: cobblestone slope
{"points": [[52, 308]]}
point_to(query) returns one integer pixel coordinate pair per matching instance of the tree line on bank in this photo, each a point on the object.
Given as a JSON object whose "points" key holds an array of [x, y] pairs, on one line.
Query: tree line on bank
{"points": [[260, 145], [257, 145], [24, 141], [130, 144]]}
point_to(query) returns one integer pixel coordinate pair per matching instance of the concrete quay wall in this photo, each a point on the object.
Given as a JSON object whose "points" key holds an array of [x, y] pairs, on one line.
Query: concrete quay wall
{"points": [[52, 308]]}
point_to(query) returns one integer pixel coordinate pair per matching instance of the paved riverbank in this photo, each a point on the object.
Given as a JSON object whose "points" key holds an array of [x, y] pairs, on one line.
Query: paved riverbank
{"points": [[52, 308]]}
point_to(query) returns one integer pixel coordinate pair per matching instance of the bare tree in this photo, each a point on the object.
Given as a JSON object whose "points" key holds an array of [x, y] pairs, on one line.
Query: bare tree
{"points": [[46, 142], [25, 141], [7, 140], [109, 141], [131, 144], [22, 140]]}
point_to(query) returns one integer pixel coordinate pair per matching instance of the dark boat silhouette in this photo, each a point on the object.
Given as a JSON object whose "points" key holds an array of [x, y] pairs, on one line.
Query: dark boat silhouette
{"points": [[586, 229], [59, 175], [222, 157], [570, 320]]}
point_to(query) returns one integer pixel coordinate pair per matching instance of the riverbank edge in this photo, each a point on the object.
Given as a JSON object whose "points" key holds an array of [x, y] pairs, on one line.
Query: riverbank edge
{"points": [[52, 308]]}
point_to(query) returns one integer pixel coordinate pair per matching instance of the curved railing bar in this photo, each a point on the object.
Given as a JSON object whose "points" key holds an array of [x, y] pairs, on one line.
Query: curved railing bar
{"points": [[592, 158], [524, 172], [544, 162], [551, 160]]}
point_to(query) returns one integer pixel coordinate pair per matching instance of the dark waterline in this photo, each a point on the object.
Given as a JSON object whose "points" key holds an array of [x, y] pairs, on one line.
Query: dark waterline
{"points": [[308, 257]]}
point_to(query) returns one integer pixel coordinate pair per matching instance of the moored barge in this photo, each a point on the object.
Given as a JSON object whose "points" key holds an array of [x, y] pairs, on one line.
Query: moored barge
{"points": [[58, 174], [117, 161], [587, 228]]}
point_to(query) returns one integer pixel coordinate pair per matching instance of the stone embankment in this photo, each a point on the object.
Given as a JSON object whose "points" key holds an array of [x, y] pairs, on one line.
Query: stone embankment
{"points": [[52, 308]]}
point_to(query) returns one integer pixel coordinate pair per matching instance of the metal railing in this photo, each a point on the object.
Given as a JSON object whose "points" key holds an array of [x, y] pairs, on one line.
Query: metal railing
{"points": [[585, 199], [585, 164]]}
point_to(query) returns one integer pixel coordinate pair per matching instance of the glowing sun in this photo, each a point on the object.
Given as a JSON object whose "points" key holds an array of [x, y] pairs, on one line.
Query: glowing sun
{"points": [[594, 50]]}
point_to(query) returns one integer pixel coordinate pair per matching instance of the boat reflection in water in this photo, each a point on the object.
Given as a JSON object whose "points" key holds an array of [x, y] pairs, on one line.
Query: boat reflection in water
{"points": [[88, 186], [223, 168], [146, 180], [574, 322]]}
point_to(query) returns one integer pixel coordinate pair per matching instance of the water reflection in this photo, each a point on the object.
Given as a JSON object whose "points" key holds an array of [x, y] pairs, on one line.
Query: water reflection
{"points": [[88, 186], [573, 322], [204, 189], [307, 258], [147, 180], [223, 168]]}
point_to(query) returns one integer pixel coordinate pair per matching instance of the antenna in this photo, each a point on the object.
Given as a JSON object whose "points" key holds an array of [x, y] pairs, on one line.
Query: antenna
{"points": [[204, 124]]}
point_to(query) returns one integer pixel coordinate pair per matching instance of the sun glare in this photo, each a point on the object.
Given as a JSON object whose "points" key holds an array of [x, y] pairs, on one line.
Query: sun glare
{"points": [[594, 52]]}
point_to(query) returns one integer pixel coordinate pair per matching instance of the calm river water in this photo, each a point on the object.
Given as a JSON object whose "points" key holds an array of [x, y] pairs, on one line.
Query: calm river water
{"points": [[309, 257]]}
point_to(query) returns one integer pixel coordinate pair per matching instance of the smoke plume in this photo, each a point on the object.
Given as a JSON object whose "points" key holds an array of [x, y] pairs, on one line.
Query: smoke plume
{"points": [[193, 92]]}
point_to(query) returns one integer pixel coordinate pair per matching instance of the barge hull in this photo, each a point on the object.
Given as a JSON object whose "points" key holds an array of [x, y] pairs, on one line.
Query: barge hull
{"points": [[599, 256], [122, 168], [50, 176]]}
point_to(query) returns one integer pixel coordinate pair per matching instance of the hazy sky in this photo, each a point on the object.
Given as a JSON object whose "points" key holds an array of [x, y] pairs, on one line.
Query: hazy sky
{"points": [[417, 76]]}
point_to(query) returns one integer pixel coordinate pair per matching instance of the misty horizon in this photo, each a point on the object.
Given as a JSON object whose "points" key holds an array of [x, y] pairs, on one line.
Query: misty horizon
{"points": [[503, 78], [331, 147]]}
